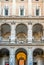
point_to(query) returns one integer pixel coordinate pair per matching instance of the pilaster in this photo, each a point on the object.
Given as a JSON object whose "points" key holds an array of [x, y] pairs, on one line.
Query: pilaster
{"points": [[14, 7], [13, 33], [30, 57], [30, 7], [12, 57], [29, 32]]}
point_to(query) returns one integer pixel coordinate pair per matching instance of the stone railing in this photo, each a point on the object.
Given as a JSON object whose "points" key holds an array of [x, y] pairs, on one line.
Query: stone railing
{"points": [[41, 41], [20, 42]]}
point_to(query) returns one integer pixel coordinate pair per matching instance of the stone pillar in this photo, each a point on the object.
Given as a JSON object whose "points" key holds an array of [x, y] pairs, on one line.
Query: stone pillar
{"points": [[13, 33], [3, 12], [30, 57], [29, 33], [12, 57], [30, 7], [0, 34], [14, 7], [43, 7]]}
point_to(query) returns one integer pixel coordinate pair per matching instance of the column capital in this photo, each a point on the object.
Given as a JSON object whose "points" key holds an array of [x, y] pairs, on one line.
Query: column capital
{"points": [[12, 51], [30, 50], [13, 22], [30, 23]]}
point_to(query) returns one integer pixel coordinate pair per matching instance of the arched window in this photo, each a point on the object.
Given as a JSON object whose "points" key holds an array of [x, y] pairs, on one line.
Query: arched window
{"points": [[37, 31], [5, 30], [21, 31]]}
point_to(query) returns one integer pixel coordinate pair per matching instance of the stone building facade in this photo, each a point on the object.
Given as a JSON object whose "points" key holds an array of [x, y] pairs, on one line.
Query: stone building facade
{"points": [[21, 32]]}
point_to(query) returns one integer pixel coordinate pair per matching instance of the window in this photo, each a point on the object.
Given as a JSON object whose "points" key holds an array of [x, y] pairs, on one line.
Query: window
{"points": [[37, 0], [6, 0], [21, 11], [22, 0], [6, 11], [37, 12]]}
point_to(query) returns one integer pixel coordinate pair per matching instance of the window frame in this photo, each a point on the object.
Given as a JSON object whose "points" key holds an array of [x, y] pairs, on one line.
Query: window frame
{"points": [[20, 11], [37, 11]]}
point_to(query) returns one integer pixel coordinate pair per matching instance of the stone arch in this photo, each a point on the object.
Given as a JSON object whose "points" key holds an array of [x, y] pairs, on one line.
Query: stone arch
{"points": [[4, 56], [37, 31], [38, 51], [4, 51], [5, 48], [21, 49], [21, 31], [21, 56], [38, 56], [5, 30]]}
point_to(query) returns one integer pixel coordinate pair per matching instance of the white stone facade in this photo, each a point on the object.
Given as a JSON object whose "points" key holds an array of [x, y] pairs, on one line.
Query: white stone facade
{"points": [[21, 37]]}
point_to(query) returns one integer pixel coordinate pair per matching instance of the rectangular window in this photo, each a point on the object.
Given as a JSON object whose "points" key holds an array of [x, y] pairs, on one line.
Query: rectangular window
{"points": [[22, 11], [37, 0], [6, 0], [6, 11], [22, 0], [37, 12]]}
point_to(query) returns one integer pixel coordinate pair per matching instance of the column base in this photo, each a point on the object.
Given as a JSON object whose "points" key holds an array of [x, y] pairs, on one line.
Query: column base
{"points": [[30, 41], [12, 41]]}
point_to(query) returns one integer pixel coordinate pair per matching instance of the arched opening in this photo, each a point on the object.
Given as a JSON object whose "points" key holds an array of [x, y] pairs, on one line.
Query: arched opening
{"points": [[37, 31], [5, 30], [21, 57], [21, 32], [4, 56], [38, 57]]}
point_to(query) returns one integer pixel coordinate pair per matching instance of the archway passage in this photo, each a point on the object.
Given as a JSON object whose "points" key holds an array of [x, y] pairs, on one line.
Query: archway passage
{"points": [[38, 57], [21, 32], [21, 57], [4, 56], [37, 31]]}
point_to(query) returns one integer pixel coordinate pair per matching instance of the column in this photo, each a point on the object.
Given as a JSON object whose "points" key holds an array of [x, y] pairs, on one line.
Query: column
{"points": [[30, 57], [3, 11], [9, 11], [14, 7], [13, 33], [12, 57], [0, 34], [43, 8], [30, 7], [30, 33]]}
